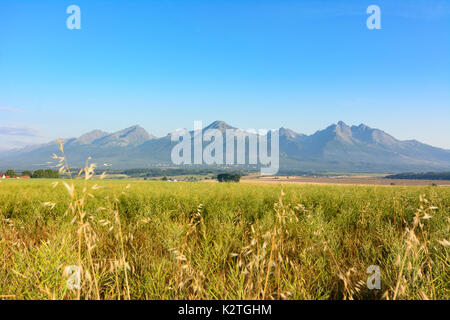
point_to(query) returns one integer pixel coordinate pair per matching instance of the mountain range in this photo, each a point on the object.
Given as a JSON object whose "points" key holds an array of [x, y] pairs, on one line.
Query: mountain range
{"points": [[338, 148]]}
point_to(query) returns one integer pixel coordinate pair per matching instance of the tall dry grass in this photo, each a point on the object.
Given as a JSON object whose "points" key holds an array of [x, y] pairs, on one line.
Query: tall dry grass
{"points": [[166, 240]]}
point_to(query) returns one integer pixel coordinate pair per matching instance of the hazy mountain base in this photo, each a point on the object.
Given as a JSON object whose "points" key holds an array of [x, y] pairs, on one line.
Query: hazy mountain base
{"points": [[336, 148]]}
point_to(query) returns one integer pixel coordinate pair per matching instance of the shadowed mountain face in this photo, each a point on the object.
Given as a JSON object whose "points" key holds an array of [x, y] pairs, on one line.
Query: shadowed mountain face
{"points": [[338, 147], [132, 136], [218, 125], [91, 137]]}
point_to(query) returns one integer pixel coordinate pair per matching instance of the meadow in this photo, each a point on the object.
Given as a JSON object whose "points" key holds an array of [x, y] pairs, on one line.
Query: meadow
{"points": [[194, 240]]}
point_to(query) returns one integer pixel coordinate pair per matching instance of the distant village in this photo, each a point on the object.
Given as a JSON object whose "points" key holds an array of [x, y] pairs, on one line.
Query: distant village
{"points": [[3, 176]]}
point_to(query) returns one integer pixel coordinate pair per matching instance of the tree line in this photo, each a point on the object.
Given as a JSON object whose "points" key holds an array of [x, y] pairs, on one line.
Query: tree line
{"points": [[228, 177], [421, 176], [40, 173]]}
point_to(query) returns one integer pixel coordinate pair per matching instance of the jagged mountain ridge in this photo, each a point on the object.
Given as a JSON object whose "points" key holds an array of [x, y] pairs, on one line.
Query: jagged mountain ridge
{"points": [[338, 147], [133, 136]]}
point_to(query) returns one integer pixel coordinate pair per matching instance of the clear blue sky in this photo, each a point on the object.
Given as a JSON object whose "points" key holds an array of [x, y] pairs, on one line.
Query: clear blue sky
{"points": [[255, 64]]}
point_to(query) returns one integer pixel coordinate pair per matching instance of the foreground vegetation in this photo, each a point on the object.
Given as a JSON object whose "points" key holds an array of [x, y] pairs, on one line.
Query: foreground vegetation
{"points": [[177, 240]]}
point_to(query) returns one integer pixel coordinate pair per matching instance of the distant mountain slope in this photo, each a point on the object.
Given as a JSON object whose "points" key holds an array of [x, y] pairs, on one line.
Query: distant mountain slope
{"points": [[338, 147], [132, 136], [90, 137], [361, 148]]}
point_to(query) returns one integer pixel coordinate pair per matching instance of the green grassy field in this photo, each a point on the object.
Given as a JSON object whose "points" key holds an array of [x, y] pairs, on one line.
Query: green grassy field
{"points": [[177, 240]]}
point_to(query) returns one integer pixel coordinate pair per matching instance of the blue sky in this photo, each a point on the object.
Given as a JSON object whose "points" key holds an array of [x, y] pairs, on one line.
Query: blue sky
{"points": [[255, 64]]}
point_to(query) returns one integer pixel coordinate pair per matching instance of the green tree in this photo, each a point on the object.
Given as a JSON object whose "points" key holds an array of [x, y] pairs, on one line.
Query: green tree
{"points": [[38, 174], [27, 173], [49, 174], [10, 173], [228, 177]]}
